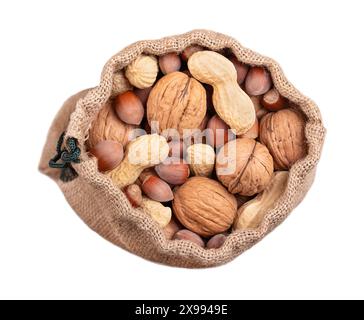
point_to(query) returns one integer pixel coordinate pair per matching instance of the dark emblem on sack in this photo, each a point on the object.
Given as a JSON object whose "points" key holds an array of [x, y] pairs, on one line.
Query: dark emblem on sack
{"points": [[64, 157]]}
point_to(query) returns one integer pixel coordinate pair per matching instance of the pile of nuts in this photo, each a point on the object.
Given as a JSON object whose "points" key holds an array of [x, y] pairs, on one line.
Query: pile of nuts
{"points": [[200, 141]]}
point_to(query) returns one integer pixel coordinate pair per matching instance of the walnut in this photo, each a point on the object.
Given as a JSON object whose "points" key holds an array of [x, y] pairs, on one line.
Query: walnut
{"points": [[283, 132], [204, 206], [107, 126], [244, 166], [177, 101]]}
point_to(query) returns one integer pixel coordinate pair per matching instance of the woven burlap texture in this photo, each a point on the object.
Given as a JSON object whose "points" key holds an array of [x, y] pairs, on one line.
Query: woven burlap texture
{"points": [[104, 208]]}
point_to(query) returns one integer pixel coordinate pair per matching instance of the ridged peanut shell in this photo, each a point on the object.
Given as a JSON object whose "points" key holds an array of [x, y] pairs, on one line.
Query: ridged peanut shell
{"points": [[143, 152], [244, 166], [251, 214], [159, 213], [231, 103], [204, 206], [283, 132], [176, 102]]}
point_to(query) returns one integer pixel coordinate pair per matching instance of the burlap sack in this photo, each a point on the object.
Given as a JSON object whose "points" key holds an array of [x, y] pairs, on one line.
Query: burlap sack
{"points": [[104, 208]]}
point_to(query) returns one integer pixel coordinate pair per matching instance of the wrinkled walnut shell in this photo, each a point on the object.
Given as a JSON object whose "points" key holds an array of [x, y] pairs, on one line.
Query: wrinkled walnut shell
{"points": [[108, 126], [283, 132], [245, 168], [204, 206], [176, 102]]}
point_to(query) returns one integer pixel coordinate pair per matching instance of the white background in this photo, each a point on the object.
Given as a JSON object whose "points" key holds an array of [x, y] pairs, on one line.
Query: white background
{"points": [[50, 50]]}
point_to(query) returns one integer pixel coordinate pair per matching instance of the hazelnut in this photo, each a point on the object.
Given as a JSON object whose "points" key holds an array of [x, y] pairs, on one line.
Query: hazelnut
{"points": [[216, 241], [169, 62], [218, 132], [157, 189], [143, 94], [171, 228], [273, 101], [241, 69], [108, 153], [174, 171], [259, 110], [189, 236], [257, 81], [129, 108], [134, 195], [189, 51]]}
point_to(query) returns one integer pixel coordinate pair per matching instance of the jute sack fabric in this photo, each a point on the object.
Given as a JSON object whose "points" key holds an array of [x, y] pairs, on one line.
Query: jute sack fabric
{"points": [[105, 209]]}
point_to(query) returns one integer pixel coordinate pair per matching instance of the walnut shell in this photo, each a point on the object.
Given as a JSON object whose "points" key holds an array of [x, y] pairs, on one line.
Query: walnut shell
{"points": [[204, 206], [244, 166], [108, 126], [177, 101], [283, 132]]}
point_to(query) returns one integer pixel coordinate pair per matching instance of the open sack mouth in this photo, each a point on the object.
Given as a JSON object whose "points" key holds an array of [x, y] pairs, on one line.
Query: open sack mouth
{"points": [[190, 150]]}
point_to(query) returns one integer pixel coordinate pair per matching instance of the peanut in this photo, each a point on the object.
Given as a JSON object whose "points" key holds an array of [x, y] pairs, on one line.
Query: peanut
{"points": [[231, 103], [143, 152], [251, 214], [159, 213]]}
